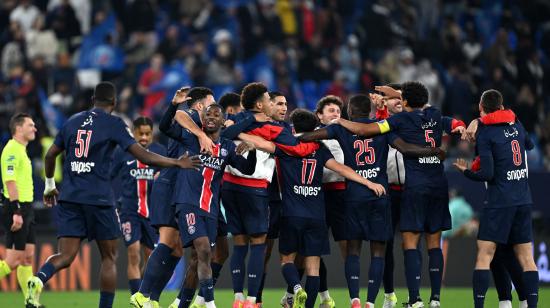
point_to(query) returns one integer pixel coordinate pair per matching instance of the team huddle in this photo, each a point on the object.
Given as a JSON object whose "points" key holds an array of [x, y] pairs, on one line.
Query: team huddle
{"points": [[360, 178]]}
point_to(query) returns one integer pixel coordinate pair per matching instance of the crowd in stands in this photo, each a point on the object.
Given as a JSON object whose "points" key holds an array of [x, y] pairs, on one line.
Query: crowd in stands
{"points": [[54, 51]]}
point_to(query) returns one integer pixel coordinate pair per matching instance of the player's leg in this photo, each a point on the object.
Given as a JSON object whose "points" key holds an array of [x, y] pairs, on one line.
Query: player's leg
{"points": [[413, 265], [107, 272], [133, 270], [221, 250], [485, 252], [269, 242], [376, 270], [435, 264], [15, 242], [24, 270], [516, 272], [190, 282], [353, 269], [255, 267], [13, 259], [503, 283], [312, 279], [390, 299], [204, 269], [272, 235]]}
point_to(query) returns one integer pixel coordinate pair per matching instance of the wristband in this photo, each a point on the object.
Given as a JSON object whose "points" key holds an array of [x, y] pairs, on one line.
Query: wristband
{"points": [[15, 206], [49, 185]]}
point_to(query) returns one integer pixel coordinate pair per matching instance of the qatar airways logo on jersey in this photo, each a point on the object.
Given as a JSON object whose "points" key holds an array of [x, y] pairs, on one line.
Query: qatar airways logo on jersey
{"points": [[430, 124], [368, 173], [143, 174], [516, 175], [212, 162], [306, 191], [82, 167]]}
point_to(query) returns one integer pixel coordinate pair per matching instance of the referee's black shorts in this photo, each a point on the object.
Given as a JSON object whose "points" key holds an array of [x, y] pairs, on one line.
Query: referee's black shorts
{"points": [[25, 235]]}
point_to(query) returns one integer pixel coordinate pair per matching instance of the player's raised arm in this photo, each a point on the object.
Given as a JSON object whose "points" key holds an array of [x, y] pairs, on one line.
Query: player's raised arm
{"points": [[364, 129], [351, 175], [414, 150], [319, 134], [153, 159]]}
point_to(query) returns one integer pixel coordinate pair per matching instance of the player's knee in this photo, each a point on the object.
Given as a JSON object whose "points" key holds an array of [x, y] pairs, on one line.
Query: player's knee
{"points": [[133, 256], [258, 239], [527, 261], [221, 255]]}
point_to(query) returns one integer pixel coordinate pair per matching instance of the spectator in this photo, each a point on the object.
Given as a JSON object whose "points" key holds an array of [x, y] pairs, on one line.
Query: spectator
{"points": [[170, 45], [13, 54], [62, 19], [221, 69], [25, 14], [62, 99], [41, 42], [83, 12], [149, 78], [349, 60]]}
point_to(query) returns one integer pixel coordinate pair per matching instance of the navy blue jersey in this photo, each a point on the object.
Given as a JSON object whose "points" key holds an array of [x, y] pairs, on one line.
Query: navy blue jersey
{"points": [[302, 180], [202, 188], [274, 188], [503, 164], [424, 128], [89, 139], [367, 156], [136, 178]]}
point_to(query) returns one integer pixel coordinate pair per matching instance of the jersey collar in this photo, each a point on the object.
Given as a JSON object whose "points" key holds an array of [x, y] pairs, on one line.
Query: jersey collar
{"points": [[499, 117]]}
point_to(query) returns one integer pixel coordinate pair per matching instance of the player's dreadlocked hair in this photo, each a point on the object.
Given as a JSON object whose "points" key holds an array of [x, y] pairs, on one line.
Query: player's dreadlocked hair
{"points": [[415, 93], [491, 100], [303, 120], [142, 121]]}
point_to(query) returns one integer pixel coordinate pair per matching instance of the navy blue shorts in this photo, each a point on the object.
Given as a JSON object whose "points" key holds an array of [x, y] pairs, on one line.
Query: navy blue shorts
{"points": [[137, 228], [163, 213], [87, 221], [246, 214], [306, 236], [425, 209], [222, 225], [369, 220], [335, 209], [395, 200], [275, 210], [193, 224], [509, 225]]}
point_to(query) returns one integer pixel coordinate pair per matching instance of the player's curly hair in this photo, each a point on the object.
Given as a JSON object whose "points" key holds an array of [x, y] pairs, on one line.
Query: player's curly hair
{"points": [[251, 93], [230, 99], [415, 93], [327, 100], [491, 100], [303, 120]]}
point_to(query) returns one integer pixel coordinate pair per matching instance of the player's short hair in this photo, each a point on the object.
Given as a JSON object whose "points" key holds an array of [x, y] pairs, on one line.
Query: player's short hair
{"points": [[360, 105], [491, 100], [215, 106], [196, 94], [142, 121], [18, 120], [415, 93], [303, 120], [105, 94], [251, 93], [327, 100], [274, 94], [230, 99]]}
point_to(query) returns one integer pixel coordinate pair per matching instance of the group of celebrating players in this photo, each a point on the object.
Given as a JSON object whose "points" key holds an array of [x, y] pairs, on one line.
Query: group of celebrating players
{"points": [[362, 178]]}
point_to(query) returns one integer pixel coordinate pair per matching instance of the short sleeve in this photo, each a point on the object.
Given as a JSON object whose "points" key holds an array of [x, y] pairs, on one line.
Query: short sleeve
{"points": [[10, 160], [394, 122], [325, 155], [59, 140], [391, 137], [122, 135], [333, 130], [483, 145]]}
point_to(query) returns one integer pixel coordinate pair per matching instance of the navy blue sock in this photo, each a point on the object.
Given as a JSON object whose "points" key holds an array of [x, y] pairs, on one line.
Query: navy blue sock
{"points": [[480, 285], [389, 264], [238, 268], [515, 271], [531, 283], [412, 274], [289, 289], [207, 288], [291, 276], [353, 270], [501, 278], [312, 288], [436, 271], [134, 285], [186, 297], [376, 271], [261, 290], [323, 286], [167, 272], [155, 267], [301, 272], [216, 269], [106, 299], [255, 268], [46, 272]]}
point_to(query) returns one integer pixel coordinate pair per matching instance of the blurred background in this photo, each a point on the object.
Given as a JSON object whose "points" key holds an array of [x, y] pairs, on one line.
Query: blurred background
{"points": [[53, 52]]}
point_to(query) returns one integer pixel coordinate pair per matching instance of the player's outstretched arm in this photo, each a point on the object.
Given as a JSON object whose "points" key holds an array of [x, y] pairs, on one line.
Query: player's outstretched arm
{"points": [[414, 150], [245, 165], [319, 134], [50, 191], [365, 129], [259, 142], [185, 121], [351, 175], [153, 159]]}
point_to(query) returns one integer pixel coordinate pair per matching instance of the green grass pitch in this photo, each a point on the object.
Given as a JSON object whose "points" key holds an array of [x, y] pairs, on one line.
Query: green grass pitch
{"points": [[451, 298]]}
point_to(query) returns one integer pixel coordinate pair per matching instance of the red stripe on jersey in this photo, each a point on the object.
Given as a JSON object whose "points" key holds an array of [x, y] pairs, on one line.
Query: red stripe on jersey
{"points": [[208, 174], [267, 131], [334, 186], [248, 182], [300, 150], [143, 207]]}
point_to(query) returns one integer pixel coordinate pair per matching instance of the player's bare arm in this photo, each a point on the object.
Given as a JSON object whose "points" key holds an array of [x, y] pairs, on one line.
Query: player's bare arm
{"points": [[319, 134], [50, 191], [470, 133], [185, 121], [364, 129], [153, 159], [414, 150], [351, 175], [259, 142]]}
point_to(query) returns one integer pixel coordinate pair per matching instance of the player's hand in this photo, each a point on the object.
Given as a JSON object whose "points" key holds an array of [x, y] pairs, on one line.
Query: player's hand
{"points": [[335, 121], [187, 162], [206, 144], [470, 133], [261, 117], [461, 164], [228, 123], [17, 222], [459, 129], [378, 189], [388, 91], [50, 197], [244, 147], [377, 100], [181, 96]]}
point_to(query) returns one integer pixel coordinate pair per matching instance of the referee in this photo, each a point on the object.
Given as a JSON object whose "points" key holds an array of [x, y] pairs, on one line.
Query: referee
{"points": [[17, 213]]}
